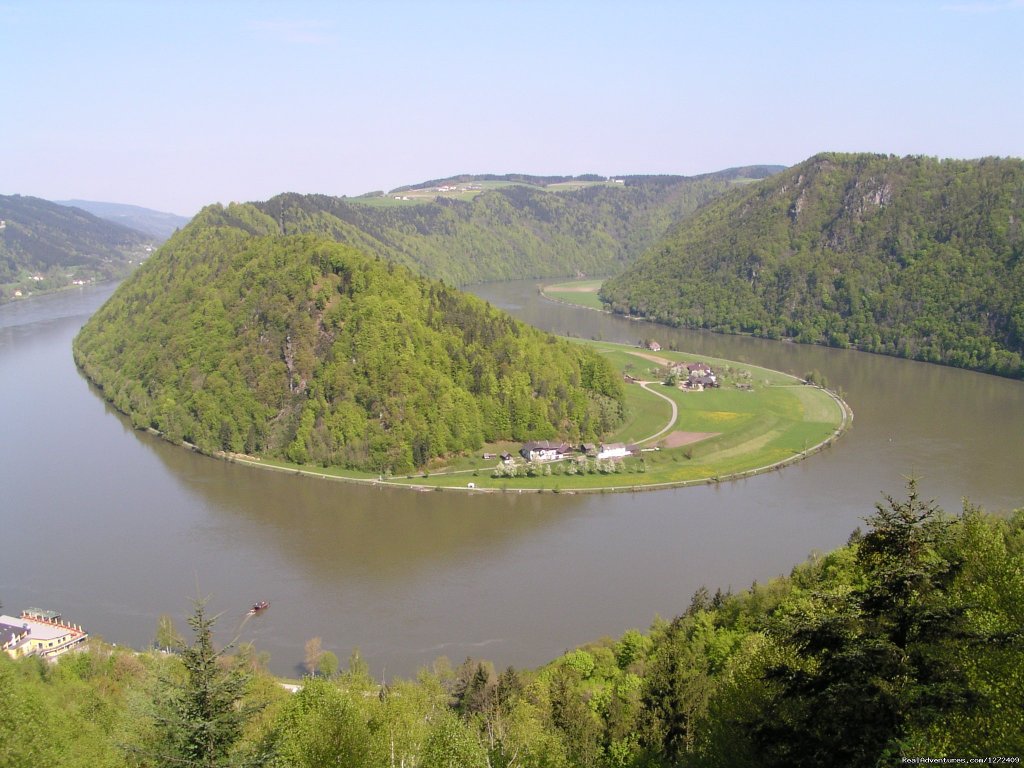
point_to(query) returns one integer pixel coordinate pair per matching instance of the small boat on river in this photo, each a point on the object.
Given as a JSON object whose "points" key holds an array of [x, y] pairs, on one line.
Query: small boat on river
{"points": [[262, 605]]}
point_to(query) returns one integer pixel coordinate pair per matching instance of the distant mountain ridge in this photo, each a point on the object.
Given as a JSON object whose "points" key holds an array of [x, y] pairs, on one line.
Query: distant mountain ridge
{"points": [[45, 246], [912, 256], [748, 171], [511, 232], [158, 224]]}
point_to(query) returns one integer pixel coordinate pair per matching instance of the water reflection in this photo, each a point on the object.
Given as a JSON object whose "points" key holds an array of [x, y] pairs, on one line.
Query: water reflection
{"points": [[341, 531]]}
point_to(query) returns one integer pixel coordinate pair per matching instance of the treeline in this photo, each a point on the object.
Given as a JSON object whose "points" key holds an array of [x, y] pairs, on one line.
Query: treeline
{"points": [[911, 256], [904, 644], [44, 239], [513, 232], [297, 347]]}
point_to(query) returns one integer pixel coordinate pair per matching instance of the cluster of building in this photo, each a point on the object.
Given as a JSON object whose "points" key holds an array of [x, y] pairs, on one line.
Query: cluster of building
{"points": [[39, 633], [547, 450], [695, 376]]}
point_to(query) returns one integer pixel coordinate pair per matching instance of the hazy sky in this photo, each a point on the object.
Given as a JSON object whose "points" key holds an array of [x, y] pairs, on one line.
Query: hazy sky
{"points": [[173, 105]]}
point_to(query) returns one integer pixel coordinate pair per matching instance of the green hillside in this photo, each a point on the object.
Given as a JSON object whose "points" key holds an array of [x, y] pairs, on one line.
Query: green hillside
{"points": [[45, 246], [293, 346], [157, 224], [510, 228], [913, 256]]}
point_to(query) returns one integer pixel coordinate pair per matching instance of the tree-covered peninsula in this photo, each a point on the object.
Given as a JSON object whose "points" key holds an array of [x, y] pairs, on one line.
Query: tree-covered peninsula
{"points": [[912, 256], [298, 347]]}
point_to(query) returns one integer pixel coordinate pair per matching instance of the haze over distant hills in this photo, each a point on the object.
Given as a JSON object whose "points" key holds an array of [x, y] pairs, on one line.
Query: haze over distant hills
{"points": [[509, 227], [45, 246], [911, 256], [157, 224]]}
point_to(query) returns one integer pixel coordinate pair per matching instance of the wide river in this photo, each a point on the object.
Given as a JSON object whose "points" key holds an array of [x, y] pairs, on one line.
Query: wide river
{"points": [[114, 527]]}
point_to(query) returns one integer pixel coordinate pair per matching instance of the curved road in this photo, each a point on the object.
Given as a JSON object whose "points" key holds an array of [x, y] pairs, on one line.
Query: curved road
{"points": [[671, 421]]}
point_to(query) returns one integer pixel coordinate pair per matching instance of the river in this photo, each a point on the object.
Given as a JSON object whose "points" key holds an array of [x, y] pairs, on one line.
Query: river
{"points": [[114, 527]]}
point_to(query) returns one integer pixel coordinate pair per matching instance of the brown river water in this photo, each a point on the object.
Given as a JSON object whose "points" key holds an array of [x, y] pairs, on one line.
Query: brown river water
{"points": [[113, 527]]}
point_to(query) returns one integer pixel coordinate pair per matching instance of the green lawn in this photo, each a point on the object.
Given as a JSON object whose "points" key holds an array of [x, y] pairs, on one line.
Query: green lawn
{"points": [[580, 292], [429, 194]]}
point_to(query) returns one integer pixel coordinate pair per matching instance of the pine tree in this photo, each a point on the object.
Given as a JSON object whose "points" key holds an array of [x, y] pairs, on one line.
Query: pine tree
{"points": [[873, 663], [203, 715]]}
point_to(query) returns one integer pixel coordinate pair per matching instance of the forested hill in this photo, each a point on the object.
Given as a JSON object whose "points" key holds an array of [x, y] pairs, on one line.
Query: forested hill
{"points": [[910, 256], [511, 232], [296, 346], [40, 239]]}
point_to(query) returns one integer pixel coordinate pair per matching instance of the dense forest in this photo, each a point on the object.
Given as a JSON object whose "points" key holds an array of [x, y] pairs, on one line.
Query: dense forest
{"points": [[512, 232], [913, 256], [904, 644], [57, 243], [298, 347]]}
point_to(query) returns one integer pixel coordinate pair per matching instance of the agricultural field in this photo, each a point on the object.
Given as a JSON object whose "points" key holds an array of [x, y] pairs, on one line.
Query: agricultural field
{"points": [[582, 293], [466, 190]]}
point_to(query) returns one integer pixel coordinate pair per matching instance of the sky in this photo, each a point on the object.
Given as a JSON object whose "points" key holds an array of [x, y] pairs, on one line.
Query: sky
{"points": [[176, 105]]}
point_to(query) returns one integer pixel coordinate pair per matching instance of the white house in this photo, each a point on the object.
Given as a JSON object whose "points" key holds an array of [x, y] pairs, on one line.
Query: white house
{"points": [[613, 451], [544, 450]]}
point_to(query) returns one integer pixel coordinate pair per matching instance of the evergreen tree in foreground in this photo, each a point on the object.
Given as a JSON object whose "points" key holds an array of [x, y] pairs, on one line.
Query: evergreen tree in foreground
{"points": [[874, 662], [203, 715]]}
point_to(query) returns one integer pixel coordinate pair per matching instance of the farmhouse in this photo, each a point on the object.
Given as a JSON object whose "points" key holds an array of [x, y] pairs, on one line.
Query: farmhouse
{"points": [[697, 375], [613, 451], [39, 633], [544, 450]]}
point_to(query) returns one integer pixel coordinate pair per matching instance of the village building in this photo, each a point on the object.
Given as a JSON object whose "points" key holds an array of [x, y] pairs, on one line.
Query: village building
{"points": [[544, 450], [39, 633], [697, 376], [613, 451]]}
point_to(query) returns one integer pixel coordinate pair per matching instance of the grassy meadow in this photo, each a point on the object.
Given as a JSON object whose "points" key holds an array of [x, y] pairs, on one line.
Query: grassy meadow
{"points": [[466, 190]]}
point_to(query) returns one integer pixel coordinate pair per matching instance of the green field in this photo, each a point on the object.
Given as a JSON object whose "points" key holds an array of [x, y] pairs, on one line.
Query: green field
{"points": [[462, 191], [580, 292], [756, 421]]}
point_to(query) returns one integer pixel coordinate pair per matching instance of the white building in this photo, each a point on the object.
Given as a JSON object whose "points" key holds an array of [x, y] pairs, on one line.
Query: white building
{"points": [[613, 451], [39, 633]]}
